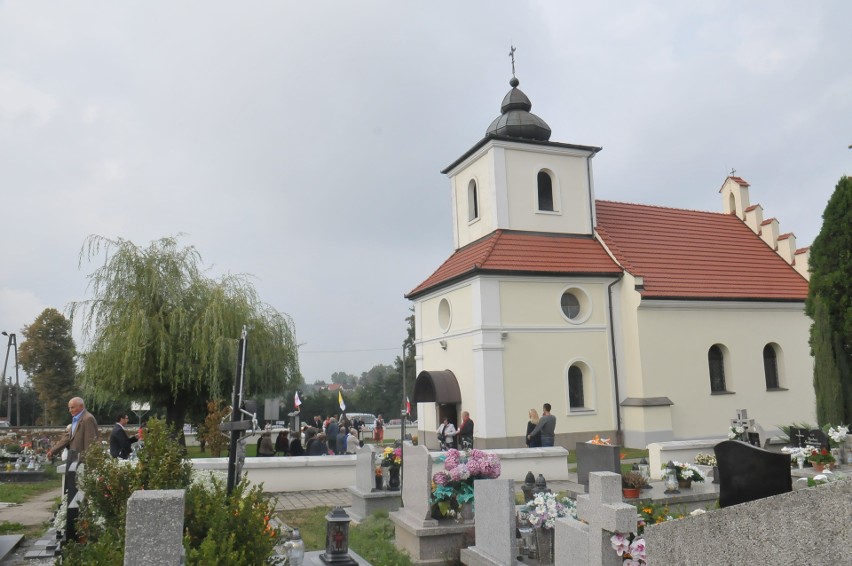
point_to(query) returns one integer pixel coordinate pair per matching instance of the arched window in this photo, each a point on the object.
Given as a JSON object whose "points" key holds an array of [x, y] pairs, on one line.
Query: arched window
{"points": [[732, 203], [770, 367], [716, 361], [472, 201], [576, 399], [545, 191]]}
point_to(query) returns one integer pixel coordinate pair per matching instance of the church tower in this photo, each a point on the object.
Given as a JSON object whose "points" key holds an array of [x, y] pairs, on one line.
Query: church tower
{"points": [[516, 179]]}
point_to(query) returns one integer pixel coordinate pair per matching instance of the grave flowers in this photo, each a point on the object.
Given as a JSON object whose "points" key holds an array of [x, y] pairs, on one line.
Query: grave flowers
{"points": [[687, 473], [737, 433], [819, 459], [837, 434], [392, 459], [542, 513], [452, 487]]}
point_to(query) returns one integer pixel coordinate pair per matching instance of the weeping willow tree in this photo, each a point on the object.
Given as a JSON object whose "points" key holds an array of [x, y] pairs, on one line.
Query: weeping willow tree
{"points": [[159, 330]]}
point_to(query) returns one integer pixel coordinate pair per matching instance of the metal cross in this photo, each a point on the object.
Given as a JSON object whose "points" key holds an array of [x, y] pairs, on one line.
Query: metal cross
{"points": [[733, 172], [512, 55], [800, 436]]}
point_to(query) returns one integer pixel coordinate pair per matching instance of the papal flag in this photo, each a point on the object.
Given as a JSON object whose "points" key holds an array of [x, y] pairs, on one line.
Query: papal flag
{"points": [[297, 401], [340, 400]]}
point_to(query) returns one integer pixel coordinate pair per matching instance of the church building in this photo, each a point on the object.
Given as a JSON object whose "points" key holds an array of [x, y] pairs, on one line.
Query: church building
{"points": [[635, 322]]}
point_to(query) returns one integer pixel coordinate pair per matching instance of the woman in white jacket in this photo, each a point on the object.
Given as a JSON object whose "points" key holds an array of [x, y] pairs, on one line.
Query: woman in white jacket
{"points": [[447, 435]]}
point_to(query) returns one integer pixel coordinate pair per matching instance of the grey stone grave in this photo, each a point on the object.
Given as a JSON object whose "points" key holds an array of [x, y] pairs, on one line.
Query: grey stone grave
{"points": [[366, 499], [748, 473], [585, 542], [154, 528], [426, 540], [495, 525], [596, 458]]}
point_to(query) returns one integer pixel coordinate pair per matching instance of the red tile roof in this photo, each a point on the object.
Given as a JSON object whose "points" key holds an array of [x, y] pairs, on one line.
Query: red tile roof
{"points": [[739, 181], [691, 254], [523, 253]]}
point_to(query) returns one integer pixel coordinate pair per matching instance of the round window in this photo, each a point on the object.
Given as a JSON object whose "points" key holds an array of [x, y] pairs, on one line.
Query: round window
{"points": [[444, 315], [570, 305]]}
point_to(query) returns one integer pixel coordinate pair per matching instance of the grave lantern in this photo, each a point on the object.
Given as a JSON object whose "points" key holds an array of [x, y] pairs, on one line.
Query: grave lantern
{"points": [[671, 478], [337, 539], [529, 487], [295, 549], [541, 485], [645, 468]]}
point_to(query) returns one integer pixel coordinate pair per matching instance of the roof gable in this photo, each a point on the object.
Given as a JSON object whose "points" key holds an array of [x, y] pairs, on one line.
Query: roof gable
{"points": [[691, 254]]}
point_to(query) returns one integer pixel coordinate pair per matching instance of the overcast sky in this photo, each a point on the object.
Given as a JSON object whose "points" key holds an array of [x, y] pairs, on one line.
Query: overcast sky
{"points": [[302, 142]]}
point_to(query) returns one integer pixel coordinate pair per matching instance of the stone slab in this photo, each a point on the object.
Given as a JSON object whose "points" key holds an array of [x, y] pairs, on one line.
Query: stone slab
{"points": [[154, 528], [495, 520], [8, 544], [365, 504], [313, 558], [596, 458], [430, 542]]}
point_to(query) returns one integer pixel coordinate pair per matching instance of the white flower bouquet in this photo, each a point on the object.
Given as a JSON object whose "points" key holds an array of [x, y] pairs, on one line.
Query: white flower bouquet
{"points": [[545, 508]]}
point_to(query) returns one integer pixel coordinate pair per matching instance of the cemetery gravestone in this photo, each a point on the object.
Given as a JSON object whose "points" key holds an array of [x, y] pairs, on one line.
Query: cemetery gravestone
{"points": [[596, 458], [817, 439], [748, 473], [495, 524], [798, 436], [154, 528]]}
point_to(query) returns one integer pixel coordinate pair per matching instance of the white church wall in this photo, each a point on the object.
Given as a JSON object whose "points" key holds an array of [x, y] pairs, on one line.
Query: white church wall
{"points": [[482, 171], [676, 337], [534, 303], [571, 191]]}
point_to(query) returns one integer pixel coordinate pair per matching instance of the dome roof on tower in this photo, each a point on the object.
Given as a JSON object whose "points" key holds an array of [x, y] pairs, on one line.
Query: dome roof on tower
{"points": [[516, 120]]}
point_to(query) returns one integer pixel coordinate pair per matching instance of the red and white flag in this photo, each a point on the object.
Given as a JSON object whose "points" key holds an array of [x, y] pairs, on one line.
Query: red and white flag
{"points": [[297, 401], [407, 406]]}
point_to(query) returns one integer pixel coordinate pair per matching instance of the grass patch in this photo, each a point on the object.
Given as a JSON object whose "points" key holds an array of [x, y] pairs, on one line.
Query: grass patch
{"points": [[372, 539], [15, 492]]}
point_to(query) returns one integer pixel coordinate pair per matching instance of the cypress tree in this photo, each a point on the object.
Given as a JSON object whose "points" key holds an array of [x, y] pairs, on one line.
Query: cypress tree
{"points": [[831, 291]]}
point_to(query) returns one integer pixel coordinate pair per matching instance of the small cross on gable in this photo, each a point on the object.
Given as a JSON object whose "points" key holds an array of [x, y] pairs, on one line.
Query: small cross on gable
{"points": [[602, 513]]}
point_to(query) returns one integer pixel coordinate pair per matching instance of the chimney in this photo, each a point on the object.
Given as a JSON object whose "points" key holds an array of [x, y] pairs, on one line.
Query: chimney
{"points": [[754, 218], [787, 247], [802, 257], [769, 232]]}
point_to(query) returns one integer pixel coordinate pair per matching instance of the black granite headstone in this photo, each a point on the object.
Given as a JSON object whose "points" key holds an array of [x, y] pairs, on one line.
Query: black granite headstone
{"points": [[596, 458], [818, 439], [798, 437], [748, 473]]}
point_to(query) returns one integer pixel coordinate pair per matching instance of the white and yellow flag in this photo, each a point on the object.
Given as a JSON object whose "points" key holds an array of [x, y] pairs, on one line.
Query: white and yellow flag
{"points": [[340, 400]]}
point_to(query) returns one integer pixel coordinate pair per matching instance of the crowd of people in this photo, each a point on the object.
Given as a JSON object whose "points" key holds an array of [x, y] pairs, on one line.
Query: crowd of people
{"points": [[335, 434]]}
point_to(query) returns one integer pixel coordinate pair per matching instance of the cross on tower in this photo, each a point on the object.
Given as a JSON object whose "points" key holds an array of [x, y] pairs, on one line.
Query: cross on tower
{"points": [[512, 55], [733, 172]]}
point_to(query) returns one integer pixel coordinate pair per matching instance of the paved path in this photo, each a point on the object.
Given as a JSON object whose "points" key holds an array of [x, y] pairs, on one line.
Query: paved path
{"points": [[37, 510]]}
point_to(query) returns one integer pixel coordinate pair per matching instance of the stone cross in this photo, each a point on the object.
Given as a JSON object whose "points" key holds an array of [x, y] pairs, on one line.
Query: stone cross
{"points": [[743, 420], [601, 513]]}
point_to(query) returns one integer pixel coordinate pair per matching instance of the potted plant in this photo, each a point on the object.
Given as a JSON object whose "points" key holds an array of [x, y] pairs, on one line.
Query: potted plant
{"points": [[631, 484], [452, 487], [819, 459], [686, 474]]}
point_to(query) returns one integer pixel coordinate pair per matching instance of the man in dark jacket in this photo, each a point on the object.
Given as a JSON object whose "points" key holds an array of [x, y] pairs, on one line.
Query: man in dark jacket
{"points": [[119, 442]]}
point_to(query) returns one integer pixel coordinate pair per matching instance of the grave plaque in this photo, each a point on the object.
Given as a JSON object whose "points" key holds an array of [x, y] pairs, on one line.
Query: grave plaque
{"points": [[818, 439], [754, 439], [748, 473]]}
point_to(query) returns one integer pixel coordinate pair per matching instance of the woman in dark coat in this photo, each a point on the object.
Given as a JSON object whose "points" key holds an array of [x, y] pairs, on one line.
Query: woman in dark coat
{"points": [[282, 443], [535, 440]]}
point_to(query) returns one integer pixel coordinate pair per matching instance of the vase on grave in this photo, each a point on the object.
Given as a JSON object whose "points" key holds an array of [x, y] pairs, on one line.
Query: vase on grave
{"points": [[379, 482], [393, 482], [684, 484], [544, 545], [715, 474], [465, 514]]}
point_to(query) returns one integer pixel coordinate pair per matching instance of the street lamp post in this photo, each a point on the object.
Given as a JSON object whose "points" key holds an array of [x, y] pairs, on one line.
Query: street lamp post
{"points": [[13, 341]]}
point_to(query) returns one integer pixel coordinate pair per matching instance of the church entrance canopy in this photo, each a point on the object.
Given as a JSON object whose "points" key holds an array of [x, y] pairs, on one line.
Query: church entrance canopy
{"points": [[436, 387]]}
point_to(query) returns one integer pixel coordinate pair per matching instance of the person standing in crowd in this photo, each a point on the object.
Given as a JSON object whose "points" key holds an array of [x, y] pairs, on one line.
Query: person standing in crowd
{"points": [[119, 442], [466, 432], [265, 448], [296, 446], [340, 441], [447, 434], [533, 440], [331, 432], [318, 446], [317, 422], [546, 426], [352, 442], [282, 443], [84, 431], [379, 430]]}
